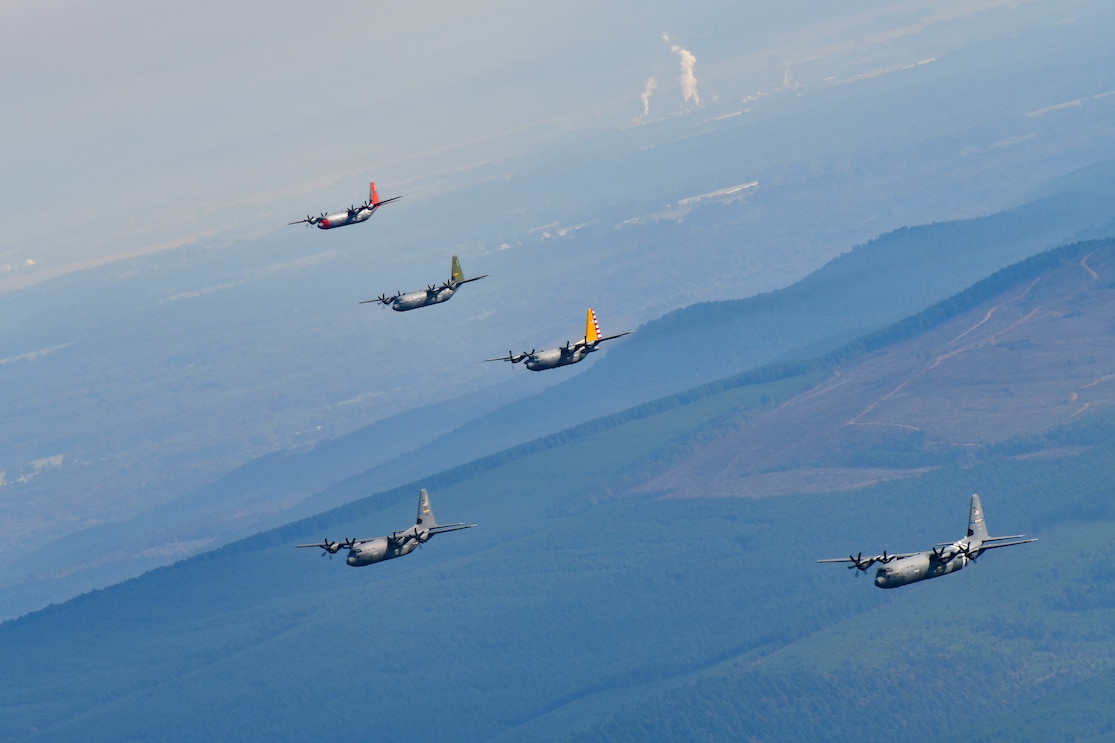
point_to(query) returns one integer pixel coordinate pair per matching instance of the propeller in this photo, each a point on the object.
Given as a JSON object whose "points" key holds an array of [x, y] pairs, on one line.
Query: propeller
{"points": [[329, 548], [311, 221], [382, 299], [512, 357], [859, 563]]}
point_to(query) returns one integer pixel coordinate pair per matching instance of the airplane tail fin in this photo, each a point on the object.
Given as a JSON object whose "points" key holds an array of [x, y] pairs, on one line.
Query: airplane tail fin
{"points": [[425, 520], [977, 527], [373, 197], [457, 275], [592, 328]]}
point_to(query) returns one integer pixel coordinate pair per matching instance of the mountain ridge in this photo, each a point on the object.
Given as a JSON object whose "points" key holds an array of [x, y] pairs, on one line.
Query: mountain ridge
{"points": [[855, 293], [566, 570]]}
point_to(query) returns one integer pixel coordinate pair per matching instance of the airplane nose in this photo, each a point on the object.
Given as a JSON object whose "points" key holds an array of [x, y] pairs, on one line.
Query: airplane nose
{"points": [[351, 559], [880, 580]]}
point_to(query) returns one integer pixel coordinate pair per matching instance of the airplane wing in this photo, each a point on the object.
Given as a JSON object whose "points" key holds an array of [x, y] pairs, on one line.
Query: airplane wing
{"points": [[511, 357], [327, 545], [867, 560], [333, 547]]}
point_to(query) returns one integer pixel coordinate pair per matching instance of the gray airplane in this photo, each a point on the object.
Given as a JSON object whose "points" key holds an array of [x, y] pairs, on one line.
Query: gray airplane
{"points": [[944, 558], [430, 295], [570, 353], [352, 215], [368, 551]]}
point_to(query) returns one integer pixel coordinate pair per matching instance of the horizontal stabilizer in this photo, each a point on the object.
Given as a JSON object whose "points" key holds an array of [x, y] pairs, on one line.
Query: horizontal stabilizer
{"points": [[443, 528], [986, 540], [986, 546], [612, 337]]}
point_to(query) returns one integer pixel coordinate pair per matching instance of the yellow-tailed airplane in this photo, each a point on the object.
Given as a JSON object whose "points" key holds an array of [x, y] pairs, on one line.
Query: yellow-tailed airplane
{"points": [[570, 353]]}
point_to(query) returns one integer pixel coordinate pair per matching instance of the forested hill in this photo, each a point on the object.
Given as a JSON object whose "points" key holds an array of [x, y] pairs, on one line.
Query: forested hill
{"points": [[1020, 353], [585, 606], [868, 288], [871, 286]]}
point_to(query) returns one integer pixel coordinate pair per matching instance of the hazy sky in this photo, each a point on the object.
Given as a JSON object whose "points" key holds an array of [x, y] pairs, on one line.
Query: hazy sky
{"points": [[128, 121], [127, 127], [128, 124]]}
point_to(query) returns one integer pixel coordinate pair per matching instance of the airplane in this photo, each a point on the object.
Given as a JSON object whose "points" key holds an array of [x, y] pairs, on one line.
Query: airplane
{"points": [[368, 551], [570, 353], [352, 215], [430, 295], [946, 557]]}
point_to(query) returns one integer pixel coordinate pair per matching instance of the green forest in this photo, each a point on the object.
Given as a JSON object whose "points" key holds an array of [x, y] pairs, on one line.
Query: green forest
{"points": [[583, 608], [576, 613]]}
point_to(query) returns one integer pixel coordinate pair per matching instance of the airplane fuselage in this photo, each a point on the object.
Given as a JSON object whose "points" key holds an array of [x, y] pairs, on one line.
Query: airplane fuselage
{"points": [[342, 219], [554, 357], [423, 298], [380, 549], [922, 566]]}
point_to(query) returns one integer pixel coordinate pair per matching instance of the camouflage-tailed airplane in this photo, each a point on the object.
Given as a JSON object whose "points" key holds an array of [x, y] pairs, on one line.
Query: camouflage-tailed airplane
{"points": [[944, 558], [430, 295], [367, 551], [570, 353], [352, 215]]}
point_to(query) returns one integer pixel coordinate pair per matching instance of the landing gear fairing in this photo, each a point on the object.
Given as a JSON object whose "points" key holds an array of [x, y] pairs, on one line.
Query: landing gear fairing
{"points": [[428, 296], [352, 215], [363, 552], [570, 353], [946, 557]]}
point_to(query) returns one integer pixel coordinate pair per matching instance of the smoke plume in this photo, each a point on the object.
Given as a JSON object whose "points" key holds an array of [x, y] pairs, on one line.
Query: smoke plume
{"points": [[688, 79], [647, 93]]}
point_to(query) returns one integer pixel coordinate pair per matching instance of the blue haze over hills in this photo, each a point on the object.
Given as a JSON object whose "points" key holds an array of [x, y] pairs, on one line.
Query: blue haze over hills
{"points": [[583, 608], [152, 377], [874, 285], [163, 405]]}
